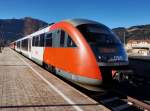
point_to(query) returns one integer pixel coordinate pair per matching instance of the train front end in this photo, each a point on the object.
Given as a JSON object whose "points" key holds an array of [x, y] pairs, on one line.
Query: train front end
{"points": [[107, 48]]}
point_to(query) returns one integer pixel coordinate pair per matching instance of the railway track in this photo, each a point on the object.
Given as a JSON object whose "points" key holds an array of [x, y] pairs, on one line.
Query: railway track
{"points": [[117, 101], [114, 99]]}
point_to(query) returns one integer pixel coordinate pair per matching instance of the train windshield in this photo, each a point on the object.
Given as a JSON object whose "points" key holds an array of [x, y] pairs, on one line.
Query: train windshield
{"points": [[98, 35]]}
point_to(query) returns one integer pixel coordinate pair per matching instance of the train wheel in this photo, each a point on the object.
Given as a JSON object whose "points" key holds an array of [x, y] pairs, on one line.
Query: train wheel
{"points": [[46, 66], [53, 70], [50, 68]]}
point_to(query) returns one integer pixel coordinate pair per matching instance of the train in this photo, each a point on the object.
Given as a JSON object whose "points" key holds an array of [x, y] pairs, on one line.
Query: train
{"points": [[82, 51]]}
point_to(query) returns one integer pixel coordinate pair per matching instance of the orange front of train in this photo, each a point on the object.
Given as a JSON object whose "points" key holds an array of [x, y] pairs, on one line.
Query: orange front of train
{"points": [[78, 63]]}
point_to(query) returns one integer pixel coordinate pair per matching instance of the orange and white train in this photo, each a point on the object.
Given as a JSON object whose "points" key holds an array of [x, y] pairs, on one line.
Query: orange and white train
{"points": [[82, 51]]}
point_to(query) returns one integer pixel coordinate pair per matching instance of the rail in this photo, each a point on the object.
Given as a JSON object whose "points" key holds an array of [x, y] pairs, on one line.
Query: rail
{"points": [[117, 101]]}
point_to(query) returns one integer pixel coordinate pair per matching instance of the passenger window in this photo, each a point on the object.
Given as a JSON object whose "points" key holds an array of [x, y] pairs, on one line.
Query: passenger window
{"points": [[25, 44], [18, 44], [55, 39], [36, 41], [42, 40], [70, 42], [48, 40], [62, 38]]}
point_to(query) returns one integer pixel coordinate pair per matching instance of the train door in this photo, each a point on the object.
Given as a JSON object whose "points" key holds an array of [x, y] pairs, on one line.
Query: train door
{"points": [[35, 49], [29, 45], [41, 47]]}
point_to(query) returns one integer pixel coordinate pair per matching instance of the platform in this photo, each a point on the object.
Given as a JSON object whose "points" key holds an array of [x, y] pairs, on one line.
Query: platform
{"points": [[25, 86]]}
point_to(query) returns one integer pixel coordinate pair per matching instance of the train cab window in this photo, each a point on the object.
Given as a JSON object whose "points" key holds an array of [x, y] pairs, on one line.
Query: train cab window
{"points": [[98, 35], [42, 40], [48, 40], [62, 38], [70, 42]]}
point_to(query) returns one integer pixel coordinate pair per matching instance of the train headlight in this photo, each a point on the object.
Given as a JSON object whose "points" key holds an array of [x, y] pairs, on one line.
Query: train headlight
{"points": [[102, 58], [99, 57]]}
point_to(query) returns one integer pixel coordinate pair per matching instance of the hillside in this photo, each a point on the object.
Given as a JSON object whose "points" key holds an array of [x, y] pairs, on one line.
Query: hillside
{"points": [[12, 29], [140, 32]]}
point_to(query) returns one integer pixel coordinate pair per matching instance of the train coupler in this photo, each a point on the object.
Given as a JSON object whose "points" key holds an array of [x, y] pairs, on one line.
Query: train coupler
{"points": [[122, 75]]}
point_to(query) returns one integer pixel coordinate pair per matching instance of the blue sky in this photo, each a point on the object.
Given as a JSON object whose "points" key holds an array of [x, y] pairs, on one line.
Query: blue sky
{"points": [[113, 13]]}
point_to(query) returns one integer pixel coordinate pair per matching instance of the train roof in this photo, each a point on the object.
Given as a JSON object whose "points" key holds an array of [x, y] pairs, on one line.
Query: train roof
{"points": [[34, 33], [77, 22]]}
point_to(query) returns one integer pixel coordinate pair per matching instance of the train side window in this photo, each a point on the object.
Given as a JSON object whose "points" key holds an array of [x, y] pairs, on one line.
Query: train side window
{"points": [[18, 44], [62, 38], [42, 40], [48, 40], [70, 42], [25, 44], [55, 38], [36, 41]]}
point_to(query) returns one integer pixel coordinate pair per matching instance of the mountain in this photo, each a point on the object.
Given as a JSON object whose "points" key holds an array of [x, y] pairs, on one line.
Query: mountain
{"points": [[139, 32], [12, 29]]}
